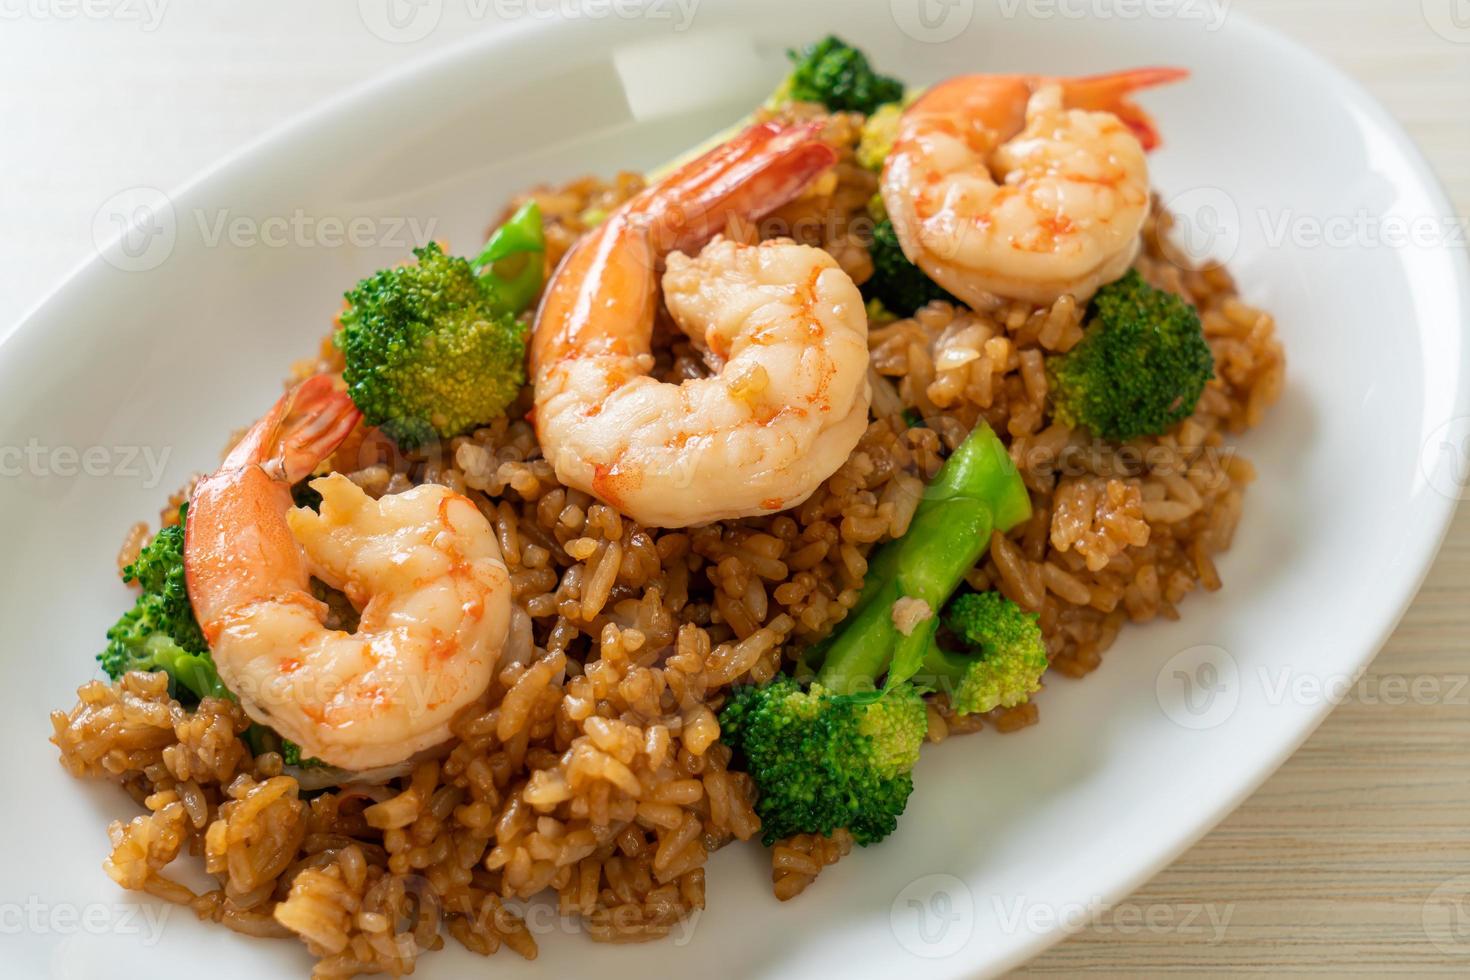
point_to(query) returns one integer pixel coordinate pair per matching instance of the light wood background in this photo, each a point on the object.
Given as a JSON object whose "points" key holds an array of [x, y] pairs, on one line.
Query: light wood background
{"points": [[1326, 869]]}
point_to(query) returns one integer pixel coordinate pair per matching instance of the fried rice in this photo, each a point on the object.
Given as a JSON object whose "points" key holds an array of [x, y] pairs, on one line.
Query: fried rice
{"points": [[592, 768]]}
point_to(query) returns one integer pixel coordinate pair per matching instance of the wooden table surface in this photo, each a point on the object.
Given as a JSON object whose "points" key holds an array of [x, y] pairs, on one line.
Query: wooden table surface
{"points": [[1354, 858]]}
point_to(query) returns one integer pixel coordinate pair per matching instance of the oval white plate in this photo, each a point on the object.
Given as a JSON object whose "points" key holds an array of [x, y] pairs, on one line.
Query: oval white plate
{"points": [[1009, 841]]}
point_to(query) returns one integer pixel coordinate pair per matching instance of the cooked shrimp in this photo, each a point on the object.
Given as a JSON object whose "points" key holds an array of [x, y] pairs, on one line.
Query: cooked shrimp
{"points": [[1023, 187], [422, 567], [783, 325]]}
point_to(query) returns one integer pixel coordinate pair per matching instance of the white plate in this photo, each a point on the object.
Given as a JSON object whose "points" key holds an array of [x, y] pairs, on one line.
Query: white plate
{"points": [[1009, 840]]}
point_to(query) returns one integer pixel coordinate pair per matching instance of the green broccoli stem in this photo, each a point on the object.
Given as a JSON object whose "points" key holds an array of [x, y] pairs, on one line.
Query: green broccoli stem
{"points": [[512, 259], [942, 670], [194, 671], [977, 491]]}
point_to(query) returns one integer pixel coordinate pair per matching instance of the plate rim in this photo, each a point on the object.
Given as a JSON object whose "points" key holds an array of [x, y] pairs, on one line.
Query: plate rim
{"points": [[1431, 525]]}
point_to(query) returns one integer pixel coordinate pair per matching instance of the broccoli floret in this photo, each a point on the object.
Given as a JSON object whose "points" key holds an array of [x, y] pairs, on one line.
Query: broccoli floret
{"points": [[824, 762], [878, 133], [897, 283], [839, 754], [160, 631], [1140, 366], [1004, 658], [291, 756], [435, 348], [838, 75], [428, 355]]}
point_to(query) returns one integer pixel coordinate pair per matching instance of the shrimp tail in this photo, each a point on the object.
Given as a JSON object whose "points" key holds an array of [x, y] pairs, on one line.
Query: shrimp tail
{"points": [[745, 178], [749, 176], [1108, 93], [235, 541], [303, 428]]}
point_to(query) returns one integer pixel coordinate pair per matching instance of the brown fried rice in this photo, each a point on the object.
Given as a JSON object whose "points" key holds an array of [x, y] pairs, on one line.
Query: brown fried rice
{"points": [[592, 767]]}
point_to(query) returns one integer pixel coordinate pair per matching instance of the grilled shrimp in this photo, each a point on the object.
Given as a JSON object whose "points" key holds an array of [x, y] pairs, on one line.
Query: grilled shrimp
{"points": [[783, 324], [1021, 186], [422, 567]]}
